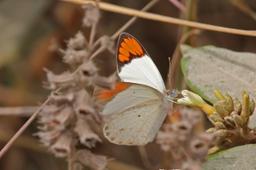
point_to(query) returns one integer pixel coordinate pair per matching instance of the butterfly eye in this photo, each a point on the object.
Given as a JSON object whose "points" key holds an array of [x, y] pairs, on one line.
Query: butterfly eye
{"points": [[173, 95]]}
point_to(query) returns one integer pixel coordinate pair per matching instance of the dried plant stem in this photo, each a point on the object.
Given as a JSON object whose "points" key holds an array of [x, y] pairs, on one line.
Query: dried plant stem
{"points": [[133, 19], [165, 19], [176, 59], [92, 34], [178, 4], [244, 7], [18, 111], [25, 142], [174, 74], [22, 129], [144, 157], [97, 52]]}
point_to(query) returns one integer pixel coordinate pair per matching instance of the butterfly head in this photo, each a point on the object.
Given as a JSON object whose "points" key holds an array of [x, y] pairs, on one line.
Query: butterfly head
{"points": [[172, 95]]}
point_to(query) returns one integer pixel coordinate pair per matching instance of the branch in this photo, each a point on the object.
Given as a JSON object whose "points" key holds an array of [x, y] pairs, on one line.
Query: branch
{"points": [[22, 128], [18, 111], [178, 5], [133, 19], [24, 142], [165, 19]]}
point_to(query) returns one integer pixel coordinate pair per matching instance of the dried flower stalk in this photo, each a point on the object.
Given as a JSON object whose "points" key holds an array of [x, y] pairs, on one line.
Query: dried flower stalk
{"points": [[184, 141], [165, 19], [67, 124]]}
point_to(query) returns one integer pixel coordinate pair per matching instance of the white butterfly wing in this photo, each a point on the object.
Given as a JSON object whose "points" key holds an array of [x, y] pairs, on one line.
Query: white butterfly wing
{"points": [[142, 71], [136, 114], [135, 65]]}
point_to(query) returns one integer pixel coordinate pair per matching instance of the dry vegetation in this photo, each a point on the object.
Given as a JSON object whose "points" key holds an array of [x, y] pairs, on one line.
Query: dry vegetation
{"points": [[74, 57]]}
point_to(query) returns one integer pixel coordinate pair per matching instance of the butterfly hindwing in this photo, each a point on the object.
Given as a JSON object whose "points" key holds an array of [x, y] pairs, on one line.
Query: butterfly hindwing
{"points": [[135, 116], [135, 65]]}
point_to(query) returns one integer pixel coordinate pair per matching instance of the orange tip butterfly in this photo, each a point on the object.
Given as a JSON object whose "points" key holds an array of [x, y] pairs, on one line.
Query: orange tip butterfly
{"points": [[141, 101]]}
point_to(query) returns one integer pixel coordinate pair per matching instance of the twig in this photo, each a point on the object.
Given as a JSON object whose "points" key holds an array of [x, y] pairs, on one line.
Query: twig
{"points": [[22, 128], [124, 27], [93, 29], [133, 19], [18, 111], [97, 52], [92, 34], [165, 19], [24, 142], [176, 59], [178, 5], [174, 74], [244, 7], [144, 157]]}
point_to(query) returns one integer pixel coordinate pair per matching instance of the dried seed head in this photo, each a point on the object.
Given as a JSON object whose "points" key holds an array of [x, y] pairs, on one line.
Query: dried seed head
{"points": [[91, 16], [184, 129], [64, 116], [59, 98], [165, 138], [105, 82], [48, 137], [78, 42], [194, 116], [87, 70], [108, 43], [62, 146], [85, 134], [77, 166], [59, 117], [198, 148], [90, 160], [75, 57], [55, 81], [187, 144], [76, 51], [69, 123], [84, 105], [191, 165]]}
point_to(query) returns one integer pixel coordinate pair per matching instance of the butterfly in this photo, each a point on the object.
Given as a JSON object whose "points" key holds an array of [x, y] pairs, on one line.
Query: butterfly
{"points": [[141, 101]]}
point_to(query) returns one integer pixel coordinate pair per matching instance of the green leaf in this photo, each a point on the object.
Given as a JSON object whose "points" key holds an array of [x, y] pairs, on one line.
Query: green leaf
{"points": [[208, 68], [237, 158]]}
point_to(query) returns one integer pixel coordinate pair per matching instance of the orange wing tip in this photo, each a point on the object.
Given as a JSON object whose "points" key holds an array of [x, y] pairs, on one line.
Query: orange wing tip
{"points": [[129, 48], [105, 95]]}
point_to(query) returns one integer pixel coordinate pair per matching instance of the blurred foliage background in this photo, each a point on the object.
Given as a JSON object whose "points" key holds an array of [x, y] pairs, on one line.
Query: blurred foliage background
{"points": [[32, 32]]}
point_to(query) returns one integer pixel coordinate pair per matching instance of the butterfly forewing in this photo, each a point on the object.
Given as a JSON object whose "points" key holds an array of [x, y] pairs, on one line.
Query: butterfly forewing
{"points": [[136, 115], [135, 65]]}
